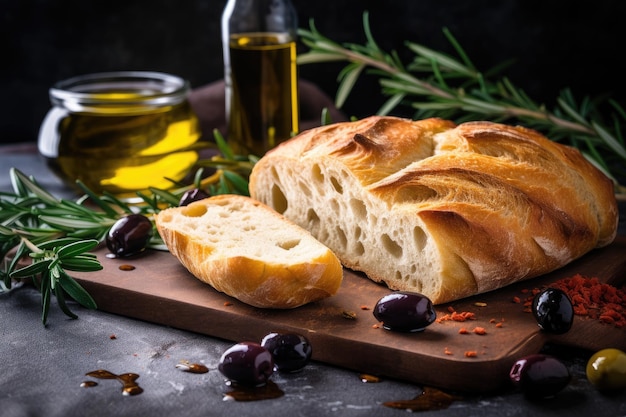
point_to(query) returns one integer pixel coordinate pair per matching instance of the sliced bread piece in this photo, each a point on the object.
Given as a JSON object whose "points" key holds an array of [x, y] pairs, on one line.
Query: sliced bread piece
{"points": [[247, 250]]}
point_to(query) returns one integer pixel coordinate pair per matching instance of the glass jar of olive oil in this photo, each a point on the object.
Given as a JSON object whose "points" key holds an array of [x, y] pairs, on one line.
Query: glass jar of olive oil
{"points": [[120, 132], [260, 71]]}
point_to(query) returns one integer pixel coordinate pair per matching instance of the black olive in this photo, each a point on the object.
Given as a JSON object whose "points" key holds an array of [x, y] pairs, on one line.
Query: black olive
{"points": [[195, 194], [291, 351], [553, 311], [539, 375], [129, 235], [405, 311], [247, 363]]}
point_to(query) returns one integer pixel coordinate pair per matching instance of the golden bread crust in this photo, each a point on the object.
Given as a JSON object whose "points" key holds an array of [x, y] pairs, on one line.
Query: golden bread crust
{"points": [[450, 211], [244, 249]]}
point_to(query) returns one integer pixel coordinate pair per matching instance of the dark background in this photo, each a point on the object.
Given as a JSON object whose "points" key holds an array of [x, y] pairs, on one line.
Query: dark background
{"points": [[556, 44]]}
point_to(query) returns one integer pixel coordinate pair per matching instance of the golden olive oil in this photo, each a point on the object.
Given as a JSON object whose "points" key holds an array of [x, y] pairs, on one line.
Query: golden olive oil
{"points": [[120, 140], [263, 101]]}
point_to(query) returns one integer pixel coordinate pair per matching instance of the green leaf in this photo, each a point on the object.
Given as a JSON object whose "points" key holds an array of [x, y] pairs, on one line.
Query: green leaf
{"points": [[34, 188], [76, 248], [166, 196], [31, 270], [104, 206], [347, 83], [77, 292], [240, 184], [69, 223], [611, 142], [222, 145], [390, 104], [80, 264], [51, 244], [58, 291], [45, 298]]}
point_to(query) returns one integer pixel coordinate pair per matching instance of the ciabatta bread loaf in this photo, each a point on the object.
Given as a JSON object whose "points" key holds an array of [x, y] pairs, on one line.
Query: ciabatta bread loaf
{"points": [[449, 211], [243, 248]]}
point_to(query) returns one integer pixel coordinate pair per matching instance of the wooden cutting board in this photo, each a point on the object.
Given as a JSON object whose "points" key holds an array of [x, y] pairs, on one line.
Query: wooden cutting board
{"points": [[160, 290]]}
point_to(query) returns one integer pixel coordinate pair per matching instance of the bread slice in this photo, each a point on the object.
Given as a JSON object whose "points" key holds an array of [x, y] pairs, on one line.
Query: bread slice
{"points": [[428, 206], [245, 249]]}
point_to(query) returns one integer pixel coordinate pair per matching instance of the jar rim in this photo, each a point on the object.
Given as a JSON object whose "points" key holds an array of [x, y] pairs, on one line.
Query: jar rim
{"points": [[144, 88]]}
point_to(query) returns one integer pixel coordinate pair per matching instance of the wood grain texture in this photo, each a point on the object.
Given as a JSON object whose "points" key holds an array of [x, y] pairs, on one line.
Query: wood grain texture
{"points": [[160, 290]]}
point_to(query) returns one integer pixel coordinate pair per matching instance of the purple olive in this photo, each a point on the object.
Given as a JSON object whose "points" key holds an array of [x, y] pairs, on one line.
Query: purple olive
{"points": [[291, 351], [539, 375], [195, 194], [129, 235], [247, 363], [405, 311]]}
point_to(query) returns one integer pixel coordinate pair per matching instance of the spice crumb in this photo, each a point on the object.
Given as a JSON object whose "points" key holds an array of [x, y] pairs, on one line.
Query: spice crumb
{"points": [[480, 330], [460, 317], [471, 354]]}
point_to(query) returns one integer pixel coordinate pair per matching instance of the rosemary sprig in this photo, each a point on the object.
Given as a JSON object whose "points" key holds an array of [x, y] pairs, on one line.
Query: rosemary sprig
{"points": [[435, 84], [43, 237]]}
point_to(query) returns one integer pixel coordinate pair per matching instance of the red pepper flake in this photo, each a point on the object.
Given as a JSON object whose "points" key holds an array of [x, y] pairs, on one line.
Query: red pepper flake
{"points": [[227, 303], [365, 308], [517, 300], [471, 354], [592, 298], [460, 317], [112, 337], [480, 330], [375, 326], [451, 309], [463, 330], [447, 351], [496, 322]]}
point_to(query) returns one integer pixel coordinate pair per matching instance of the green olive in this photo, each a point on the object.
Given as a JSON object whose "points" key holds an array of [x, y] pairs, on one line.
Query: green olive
{"points": [[606, 370]]}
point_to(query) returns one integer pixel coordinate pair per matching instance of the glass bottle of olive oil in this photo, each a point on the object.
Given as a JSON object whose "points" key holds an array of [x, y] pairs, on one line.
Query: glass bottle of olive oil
{"points": [[259, 41]]}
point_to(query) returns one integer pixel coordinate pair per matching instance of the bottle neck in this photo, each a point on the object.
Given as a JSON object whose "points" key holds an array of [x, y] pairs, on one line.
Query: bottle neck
{"points": [[246, 16]]}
